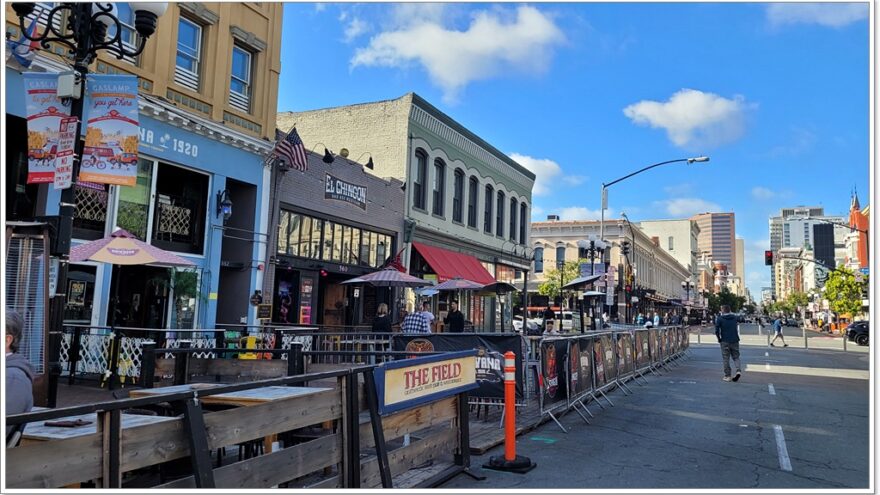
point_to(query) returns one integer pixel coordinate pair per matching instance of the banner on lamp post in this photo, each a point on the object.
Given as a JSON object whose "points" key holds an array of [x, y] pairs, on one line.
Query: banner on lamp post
{"points": [[609, 295], [110, 152], [44, 114], [64, 159]]}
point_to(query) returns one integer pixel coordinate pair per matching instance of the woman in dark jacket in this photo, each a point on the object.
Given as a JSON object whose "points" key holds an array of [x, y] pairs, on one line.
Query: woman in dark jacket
{"points": [[382, 322]]}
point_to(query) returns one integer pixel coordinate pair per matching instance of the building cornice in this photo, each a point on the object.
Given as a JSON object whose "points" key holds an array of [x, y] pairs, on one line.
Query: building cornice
{"points": [[155, 108]]}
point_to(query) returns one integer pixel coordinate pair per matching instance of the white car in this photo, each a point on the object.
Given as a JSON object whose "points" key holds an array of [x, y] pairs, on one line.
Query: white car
{"points": [[567, 323], [532, 326]]}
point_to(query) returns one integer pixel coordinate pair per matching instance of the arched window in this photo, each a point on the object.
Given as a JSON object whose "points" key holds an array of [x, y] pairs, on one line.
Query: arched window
{"points": [[487, 213], [472, 202], [513, 205], [457, 195], [499, 218], [539, 259], [522, 223], [439, 187], [419, 182], [560, 253]]}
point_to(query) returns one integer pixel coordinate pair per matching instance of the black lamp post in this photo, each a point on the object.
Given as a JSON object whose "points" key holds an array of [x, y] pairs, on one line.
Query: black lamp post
{"points": [[84, 34]]}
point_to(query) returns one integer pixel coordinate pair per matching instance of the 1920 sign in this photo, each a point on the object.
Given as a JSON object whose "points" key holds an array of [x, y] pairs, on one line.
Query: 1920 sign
{"points": [[340, 190]]}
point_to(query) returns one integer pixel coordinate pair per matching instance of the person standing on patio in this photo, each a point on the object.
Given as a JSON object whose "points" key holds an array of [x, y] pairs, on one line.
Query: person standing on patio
{"points": [[382, 322], [427, 314], [454, 320], [19, 372], [414, 322]]}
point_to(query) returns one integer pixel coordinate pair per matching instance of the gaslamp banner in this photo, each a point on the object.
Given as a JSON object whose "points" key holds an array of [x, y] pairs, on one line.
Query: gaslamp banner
{"points": [[44, 114], [112, 131]]}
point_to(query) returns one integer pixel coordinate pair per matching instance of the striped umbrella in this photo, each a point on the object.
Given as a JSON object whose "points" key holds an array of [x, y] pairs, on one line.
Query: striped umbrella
{"points": [[458, 283], [389, 277], [122, 248]]}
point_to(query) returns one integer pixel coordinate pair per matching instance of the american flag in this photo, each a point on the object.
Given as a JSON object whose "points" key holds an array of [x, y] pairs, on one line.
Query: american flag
{"points": [[291, 149]]}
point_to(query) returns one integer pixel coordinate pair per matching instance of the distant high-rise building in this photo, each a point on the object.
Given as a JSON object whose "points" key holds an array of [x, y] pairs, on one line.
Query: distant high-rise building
{"points": [[740, 259], [678, 238], [716, 238], [807, 226]]}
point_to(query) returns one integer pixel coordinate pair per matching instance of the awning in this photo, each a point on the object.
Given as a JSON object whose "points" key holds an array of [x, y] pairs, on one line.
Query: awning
{"points": [[582, 281], [449, 264]]}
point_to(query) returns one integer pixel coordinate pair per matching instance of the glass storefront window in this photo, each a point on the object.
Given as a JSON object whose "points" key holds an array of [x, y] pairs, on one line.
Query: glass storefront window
{"points": [[328, 242], [283, 233], [90, 214], [181, 204], [346, 244], [355, 245], [305, 244], [134, 202], [294, 229], [313, 238], [337, 243], [316, 237]]}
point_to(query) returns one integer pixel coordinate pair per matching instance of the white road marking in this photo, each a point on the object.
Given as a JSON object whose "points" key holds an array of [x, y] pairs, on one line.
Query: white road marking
{"points": [[767, 365], [784, 461], [767, 354], [771, 389], [809, 371]]}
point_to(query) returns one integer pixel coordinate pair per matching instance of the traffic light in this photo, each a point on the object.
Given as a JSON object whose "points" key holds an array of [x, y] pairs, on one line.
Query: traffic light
{"points": [[625, 248], [768, 258]]}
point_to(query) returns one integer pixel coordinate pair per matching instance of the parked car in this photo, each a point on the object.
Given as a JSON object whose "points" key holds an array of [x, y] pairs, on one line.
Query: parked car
{"points": [[790, 322], [857, 332], [532, 328]]}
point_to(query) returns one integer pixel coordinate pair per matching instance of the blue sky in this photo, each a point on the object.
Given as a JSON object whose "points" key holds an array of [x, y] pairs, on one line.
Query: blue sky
{"points": [[776, 94]]}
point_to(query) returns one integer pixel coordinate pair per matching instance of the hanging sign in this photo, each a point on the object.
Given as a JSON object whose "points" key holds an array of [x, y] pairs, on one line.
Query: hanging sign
{"points": [[44, 114], [340, 190], [412, 382], [110, 153], [64, 158]]}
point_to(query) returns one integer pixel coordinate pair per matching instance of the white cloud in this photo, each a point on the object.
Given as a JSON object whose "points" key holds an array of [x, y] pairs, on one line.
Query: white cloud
{"points": [[686, 207], [833, 15], [759, 192], [538, 213], [320, 7], [693, 118], [355, 28], [546, 171], [495, 44], [582, 213], [411, 14], [679, 189]]}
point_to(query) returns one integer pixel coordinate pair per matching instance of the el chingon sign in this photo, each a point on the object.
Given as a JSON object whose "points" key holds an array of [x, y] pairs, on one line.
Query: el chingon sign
{"points": [[340, 190]]}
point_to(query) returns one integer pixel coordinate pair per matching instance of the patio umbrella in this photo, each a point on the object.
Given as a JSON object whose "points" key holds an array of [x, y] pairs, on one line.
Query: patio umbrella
{"points": [[499, 288], [581, 281], [389, 277], [122, 248], [458, 283]]}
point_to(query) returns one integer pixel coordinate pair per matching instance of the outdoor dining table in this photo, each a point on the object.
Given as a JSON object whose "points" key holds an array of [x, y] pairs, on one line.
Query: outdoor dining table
{"points": [[39, 432], [172, 389]]}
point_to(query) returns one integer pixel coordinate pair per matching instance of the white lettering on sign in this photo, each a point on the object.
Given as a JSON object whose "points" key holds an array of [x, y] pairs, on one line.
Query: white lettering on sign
{"points": [[169, 143], [341, 190]]}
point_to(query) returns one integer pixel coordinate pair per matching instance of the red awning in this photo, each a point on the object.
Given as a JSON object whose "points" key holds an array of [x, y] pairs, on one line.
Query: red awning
{"points": [[449, 264]]}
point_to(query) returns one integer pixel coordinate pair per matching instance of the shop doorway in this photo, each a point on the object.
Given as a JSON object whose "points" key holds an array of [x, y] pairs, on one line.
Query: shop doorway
{"points": [[333, 303], [142, 297], [285, 297], [80, 294]]}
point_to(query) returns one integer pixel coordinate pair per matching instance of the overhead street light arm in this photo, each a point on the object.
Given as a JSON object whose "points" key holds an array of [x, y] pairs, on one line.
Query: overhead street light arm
{"points": [[840, 224]]}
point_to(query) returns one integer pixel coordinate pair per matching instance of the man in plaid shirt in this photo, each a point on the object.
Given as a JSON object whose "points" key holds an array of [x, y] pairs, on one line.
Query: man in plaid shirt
{"points": [[415, 323]]}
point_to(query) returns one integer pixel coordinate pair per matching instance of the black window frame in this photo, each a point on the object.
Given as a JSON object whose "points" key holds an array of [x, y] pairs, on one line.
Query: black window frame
{"points": [[499, 214], [523, 212], [458, 196], [514, 204], [539, 259], [421, 176], [489, 200], [473, 197], [438, 206]]}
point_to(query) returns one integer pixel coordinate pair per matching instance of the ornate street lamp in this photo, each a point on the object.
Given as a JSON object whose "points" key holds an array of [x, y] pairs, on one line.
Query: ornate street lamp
{"points": [[84, 34]]}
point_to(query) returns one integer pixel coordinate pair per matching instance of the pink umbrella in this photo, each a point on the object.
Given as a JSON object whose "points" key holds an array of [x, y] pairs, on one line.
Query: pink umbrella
{"points": [[122, 248], [389, 277]]}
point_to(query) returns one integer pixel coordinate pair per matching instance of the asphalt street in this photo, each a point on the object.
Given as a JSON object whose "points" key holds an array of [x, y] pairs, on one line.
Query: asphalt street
{"points": [[797, 419], [794, 337]]}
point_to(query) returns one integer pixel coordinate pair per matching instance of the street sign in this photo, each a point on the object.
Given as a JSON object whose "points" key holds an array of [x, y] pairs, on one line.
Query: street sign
{"points": [[865, 270]]}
